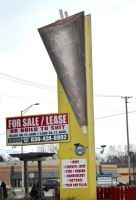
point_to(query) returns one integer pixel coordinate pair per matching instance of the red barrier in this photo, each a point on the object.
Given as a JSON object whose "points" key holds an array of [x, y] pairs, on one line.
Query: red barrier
{"points": [[58, 196], [122, 195], [105, 193], [134, 193], [129, 193], [113, 193], [101, 193], [116, 193], [109, 193]]}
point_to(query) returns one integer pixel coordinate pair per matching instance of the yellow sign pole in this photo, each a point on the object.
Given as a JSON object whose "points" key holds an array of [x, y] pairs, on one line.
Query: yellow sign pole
{"points": [[66, 150]]}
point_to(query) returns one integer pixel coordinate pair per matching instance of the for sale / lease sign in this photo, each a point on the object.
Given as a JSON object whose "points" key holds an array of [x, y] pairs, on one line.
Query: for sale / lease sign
{"points": [[37, 129]]}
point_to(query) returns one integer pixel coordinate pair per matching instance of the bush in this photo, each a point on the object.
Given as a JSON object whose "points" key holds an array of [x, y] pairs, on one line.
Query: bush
{"points": [[70, 198]]}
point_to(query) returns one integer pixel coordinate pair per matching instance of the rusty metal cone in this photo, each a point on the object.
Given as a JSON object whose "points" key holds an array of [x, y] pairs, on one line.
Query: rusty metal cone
{"points": [[64, 41]]}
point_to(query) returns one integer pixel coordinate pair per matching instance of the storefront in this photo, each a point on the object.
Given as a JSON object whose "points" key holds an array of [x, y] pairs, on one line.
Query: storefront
{"points": [[17, 178]]}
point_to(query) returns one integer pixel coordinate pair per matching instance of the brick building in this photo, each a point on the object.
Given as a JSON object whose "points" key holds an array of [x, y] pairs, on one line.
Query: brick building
{"points": [[10, 172]]}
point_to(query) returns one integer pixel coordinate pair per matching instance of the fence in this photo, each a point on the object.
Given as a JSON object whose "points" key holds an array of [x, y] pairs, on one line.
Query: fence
{"points": [[116, 193]]}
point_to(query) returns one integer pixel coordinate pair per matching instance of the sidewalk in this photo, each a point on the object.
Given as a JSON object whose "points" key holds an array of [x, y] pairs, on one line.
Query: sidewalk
{"points": [[16, 193]]}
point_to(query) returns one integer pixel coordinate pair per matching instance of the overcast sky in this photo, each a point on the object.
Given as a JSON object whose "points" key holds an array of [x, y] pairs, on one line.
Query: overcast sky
{"points": [[23, 56]]}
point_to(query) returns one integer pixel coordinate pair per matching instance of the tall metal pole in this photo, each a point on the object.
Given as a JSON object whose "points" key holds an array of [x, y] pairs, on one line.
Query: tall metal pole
{"points": [[129, 173], [23, 112], [22, 164], [134, 170]]}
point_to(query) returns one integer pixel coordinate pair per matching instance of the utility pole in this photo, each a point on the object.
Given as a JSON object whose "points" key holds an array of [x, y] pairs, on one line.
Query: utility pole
{"points": [[129, 172]]}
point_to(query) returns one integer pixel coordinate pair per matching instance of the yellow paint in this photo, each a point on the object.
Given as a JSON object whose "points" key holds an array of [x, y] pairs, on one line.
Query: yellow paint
{"points": [[76, 133]]}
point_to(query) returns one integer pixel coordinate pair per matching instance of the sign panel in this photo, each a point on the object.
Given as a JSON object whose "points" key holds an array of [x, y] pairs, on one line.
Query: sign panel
{"points": [[37, 129], [104, 178], [31, 175], [74, 173]]}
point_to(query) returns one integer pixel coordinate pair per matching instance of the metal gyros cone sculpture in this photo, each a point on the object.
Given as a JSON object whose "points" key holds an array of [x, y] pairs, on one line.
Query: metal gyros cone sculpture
{"points": [[64, 41]]}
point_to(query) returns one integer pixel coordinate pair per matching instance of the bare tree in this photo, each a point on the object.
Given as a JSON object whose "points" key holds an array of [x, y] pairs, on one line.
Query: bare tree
{"points": [[118, 154], [41, 148], [54, 148], [51, 148], [132, 148], [115, 150]]}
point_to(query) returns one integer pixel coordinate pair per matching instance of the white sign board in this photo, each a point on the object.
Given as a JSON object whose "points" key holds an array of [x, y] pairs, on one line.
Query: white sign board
{"points": [[37, 129], [74, 173], [104, 179]]}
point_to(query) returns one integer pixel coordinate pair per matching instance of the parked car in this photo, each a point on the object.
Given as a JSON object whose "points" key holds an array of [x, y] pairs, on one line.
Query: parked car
{"points": [[51, 183], [121, 184]]}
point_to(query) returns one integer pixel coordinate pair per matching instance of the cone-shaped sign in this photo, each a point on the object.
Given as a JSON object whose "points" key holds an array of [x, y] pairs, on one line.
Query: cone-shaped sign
{"points": [[64, 41]]}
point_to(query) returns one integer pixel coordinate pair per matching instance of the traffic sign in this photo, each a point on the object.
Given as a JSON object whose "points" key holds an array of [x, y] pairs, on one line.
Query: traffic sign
{"points": [[31, 175]]}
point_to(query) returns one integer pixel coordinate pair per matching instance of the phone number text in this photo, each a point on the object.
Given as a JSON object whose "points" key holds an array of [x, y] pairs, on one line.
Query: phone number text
{"points": [[46, 138]]}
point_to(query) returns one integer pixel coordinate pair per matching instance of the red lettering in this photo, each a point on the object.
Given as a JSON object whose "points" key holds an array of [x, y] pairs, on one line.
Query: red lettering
{"points": [[71, 180], [75, 184], [82, 166], [14, 130], [31, 129], [62, 126], [79, 180], [68, 185], [79, 170], [75, 161], [57, 127], [44, 128], [75, 175], [68, 171], [83, 184]]}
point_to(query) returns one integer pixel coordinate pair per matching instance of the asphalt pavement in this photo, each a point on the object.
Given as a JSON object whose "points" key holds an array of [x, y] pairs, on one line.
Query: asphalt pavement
{"points": [[16, 193]]}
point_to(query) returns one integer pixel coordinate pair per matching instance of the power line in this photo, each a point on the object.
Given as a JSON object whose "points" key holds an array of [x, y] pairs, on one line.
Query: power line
{"points": [[99, 117], [109, 116], [133, 97], [37, 86], [25, 98], [27, 81], [56, 103], [107, 109], [47, 87], [114, 115], [10, 96], [102, 95], [132, 101]]}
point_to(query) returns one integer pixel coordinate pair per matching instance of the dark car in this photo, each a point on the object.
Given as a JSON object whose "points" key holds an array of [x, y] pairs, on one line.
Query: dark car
{"points": [[121, 184], [51, 183]]}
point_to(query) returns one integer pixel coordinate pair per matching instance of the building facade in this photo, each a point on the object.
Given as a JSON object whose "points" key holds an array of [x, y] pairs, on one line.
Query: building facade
{"points": [[10, 172]]}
